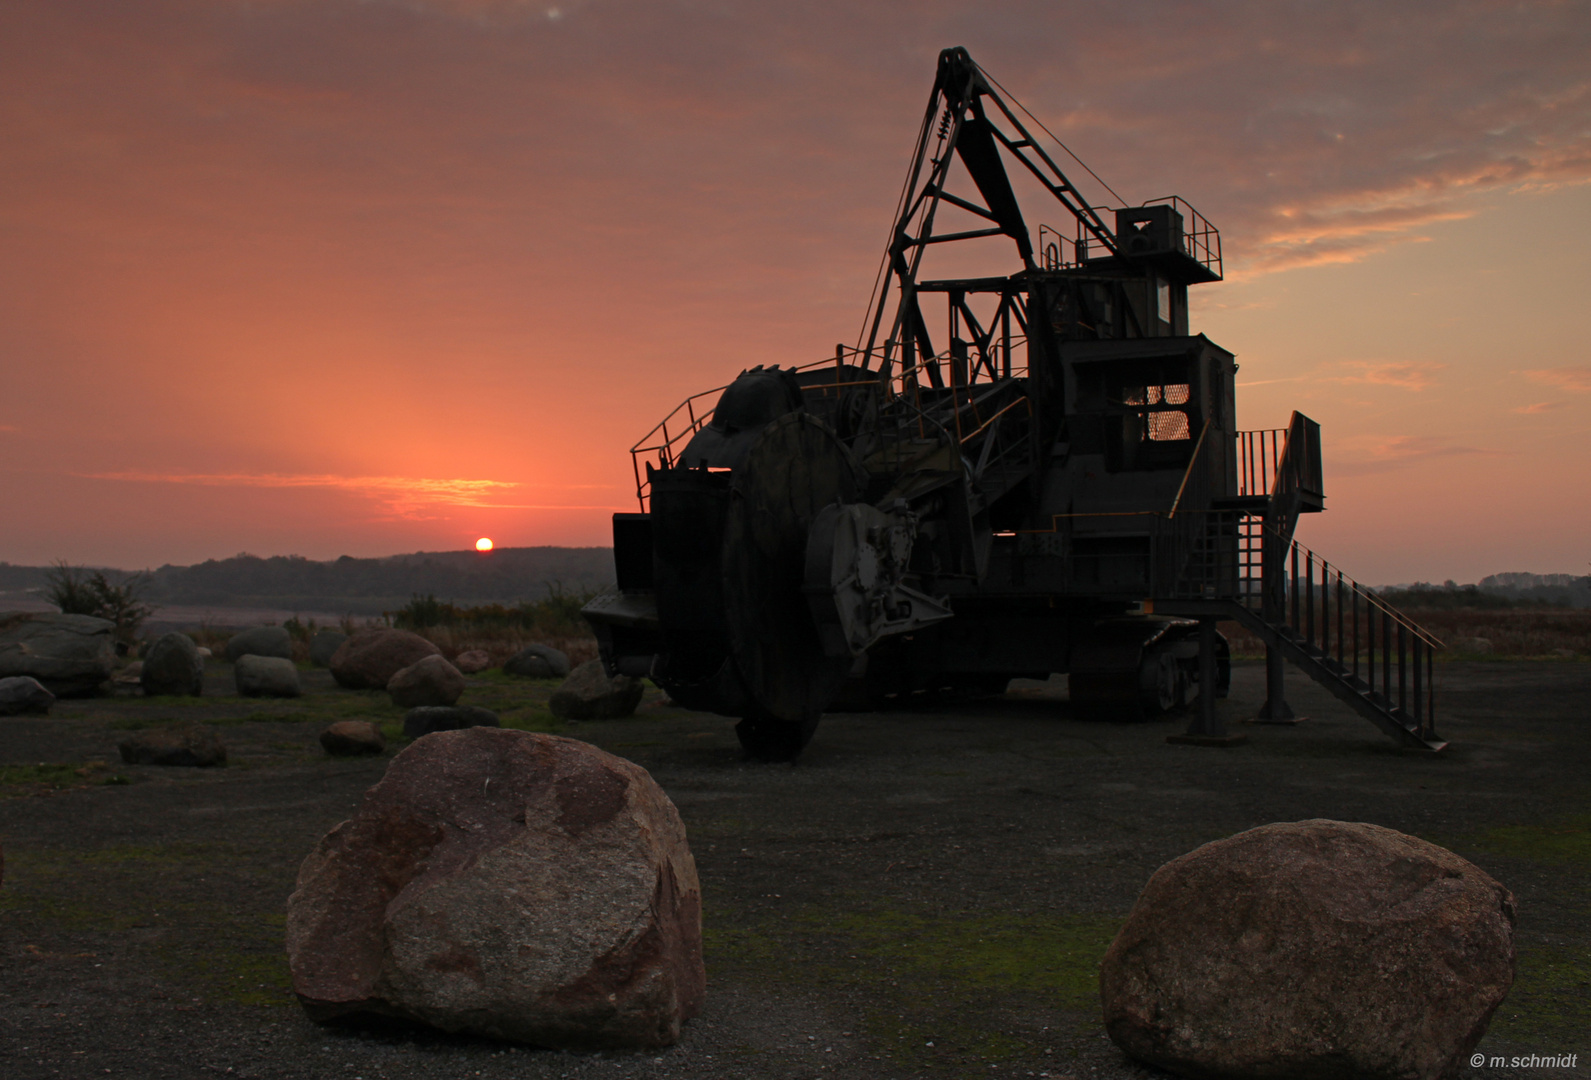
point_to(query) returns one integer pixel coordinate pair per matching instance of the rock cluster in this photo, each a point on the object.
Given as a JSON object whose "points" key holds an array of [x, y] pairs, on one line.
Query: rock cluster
{"points": [[1320, 949], [24, 694], [188, 744], [431, 680], [589, 693], [266, 676], [538, 662], [172, 665], [369, 659], [260, 641], [509, 884], [71, 655]]}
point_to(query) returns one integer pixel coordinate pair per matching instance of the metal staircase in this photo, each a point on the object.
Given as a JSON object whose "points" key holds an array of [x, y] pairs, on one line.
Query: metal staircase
{"points": [[1239, 560]]}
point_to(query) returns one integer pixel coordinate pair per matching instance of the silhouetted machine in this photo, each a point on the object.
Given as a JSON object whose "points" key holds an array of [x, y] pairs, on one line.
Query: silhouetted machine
{"points": [[1056, 485]]}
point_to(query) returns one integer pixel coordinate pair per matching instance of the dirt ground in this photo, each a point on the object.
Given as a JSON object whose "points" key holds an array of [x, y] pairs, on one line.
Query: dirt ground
{"points": [[925, 894]]}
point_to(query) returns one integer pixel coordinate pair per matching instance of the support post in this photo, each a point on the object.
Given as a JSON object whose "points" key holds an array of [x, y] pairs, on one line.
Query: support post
{"points": [[1276, 710], [1206, 728]]}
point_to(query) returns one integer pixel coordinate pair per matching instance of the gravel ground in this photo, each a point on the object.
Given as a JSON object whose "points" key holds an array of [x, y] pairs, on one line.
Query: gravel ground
{"points": [[925, 893]]}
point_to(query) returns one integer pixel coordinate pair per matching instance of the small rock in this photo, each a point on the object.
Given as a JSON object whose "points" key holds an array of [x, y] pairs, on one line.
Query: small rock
{"points": [[1319, 948], [429, 718], [589, 694], [131, 675], [349, 738], [24, 694], [538, 662], [261, 641], [190, 744], [266, 676], [369, 659], [324, 645], [72, 655], [428, 681], [506, 884], [205, 652], [173, 666], [473, 662]]}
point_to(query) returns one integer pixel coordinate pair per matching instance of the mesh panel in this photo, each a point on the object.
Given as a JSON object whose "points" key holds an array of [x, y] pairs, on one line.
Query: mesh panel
{"points": [[1167, 426]]}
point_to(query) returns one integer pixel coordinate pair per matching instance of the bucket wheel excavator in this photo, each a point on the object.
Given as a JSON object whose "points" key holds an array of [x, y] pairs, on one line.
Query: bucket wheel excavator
{"points": [[1008, 475]]}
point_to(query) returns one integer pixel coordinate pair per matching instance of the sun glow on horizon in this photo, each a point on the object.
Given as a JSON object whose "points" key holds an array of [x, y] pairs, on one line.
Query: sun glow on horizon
{"points": [[483, 544]]}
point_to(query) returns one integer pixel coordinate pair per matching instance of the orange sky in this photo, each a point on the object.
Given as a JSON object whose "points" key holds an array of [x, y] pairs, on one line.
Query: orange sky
{"points": [[368, 276]]}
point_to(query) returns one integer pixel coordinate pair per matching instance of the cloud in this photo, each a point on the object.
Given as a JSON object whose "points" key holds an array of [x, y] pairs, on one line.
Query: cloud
{"points": [[1407, 374], [1576, 378], [1538, 407], [405, 496], [1402, 450]]}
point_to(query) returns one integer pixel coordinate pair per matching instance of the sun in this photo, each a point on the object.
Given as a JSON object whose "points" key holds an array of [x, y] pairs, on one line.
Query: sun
{"points": [[483, 544]]}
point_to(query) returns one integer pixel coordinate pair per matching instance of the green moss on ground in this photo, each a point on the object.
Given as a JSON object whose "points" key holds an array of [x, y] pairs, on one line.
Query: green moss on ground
{"points": [[45, 777], [931, 986]]}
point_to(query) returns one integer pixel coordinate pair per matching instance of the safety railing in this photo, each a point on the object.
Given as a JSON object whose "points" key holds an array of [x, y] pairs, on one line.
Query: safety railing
{"points": [[1259, 454]]}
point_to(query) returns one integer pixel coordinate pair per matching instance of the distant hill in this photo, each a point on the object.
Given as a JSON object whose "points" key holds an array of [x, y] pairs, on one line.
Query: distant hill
{"points": [[363, 586], [1497, 591]]}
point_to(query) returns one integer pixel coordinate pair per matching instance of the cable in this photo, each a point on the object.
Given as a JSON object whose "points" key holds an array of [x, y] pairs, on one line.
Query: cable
{"points": [[1013, 99]]}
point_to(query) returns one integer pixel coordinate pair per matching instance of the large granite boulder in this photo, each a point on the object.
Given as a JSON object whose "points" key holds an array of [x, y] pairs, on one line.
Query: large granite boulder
{"points": [[173, 666], [350, 738], [509, 884], [428, 718], [589, 693], [71, 655], [369, 659], [1320, 949], [260, 641], [177, 744], [538, 662], [430, 680], [324, 645], [266, 676], [24, 694], [473, 661]]}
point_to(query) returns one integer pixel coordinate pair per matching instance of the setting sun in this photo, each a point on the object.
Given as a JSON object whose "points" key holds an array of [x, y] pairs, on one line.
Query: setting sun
{"points": [[483, 544]]}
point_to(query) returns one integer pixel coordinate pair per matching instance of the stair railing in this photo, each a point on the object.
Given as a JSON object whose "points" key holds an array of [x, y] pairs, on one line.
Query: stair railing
{"points": [[1350, 629]]}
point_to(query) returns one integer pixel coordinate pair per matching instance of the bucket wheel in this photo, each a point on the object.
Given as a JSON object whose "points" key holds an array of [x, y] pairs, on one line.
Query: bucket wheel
{"points": [[796, 468]]}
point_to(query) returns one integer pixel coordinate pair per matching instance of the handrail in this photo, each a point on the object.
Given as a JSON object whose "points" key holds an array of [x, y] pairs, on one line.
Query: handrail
{"points": [[1193, 462]]}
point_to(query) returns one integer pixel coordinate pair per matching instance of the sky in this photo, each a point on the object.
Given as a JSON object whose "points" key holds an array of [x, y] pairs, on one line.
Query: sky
{"points": [[328, 277]]}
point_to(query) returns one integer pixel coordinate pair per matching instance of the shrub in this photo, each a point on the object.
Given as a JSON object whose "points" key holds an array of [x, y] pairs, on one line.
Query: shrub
{"points": [[77, 592]]}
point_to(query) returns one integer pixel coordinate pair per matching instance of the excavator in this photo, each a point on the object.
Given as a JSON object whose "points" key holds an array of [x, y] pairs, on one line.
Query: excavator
{"points": [[1008, 475]]}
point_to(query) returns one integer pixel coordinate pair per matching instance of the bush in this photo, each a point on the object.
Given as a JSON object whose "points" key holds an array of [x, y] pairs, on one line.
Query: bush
{"points": [[77, 592]]}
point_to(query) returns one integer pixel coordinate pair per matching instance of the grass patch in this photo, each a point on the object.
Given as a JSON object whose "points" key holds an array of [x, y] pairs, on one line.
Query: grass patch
{"points": [[934, 985], [1565, 841], [45, 777], [1551, 998]]}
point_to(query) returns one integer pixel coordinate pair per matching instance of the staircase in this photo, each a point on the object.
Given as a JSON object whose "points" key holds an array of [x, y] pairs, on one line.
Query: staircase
{"points": [[1238, 560]]}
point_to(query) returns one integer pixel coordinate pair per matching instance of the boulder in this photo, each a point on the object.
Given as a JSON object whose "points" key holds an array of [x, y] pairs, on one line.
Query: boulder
{"points": [[507, 884], [24, 694], [1319, 949], [205, 652], [260, 641], [172, 665], [473, 661], [430, 680], [369, 659], [189, 744], [266, 676], [428, 718], [538, 662], [589, 694], [324, 645], [131, 675], [350, 738], [71, 655]]}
